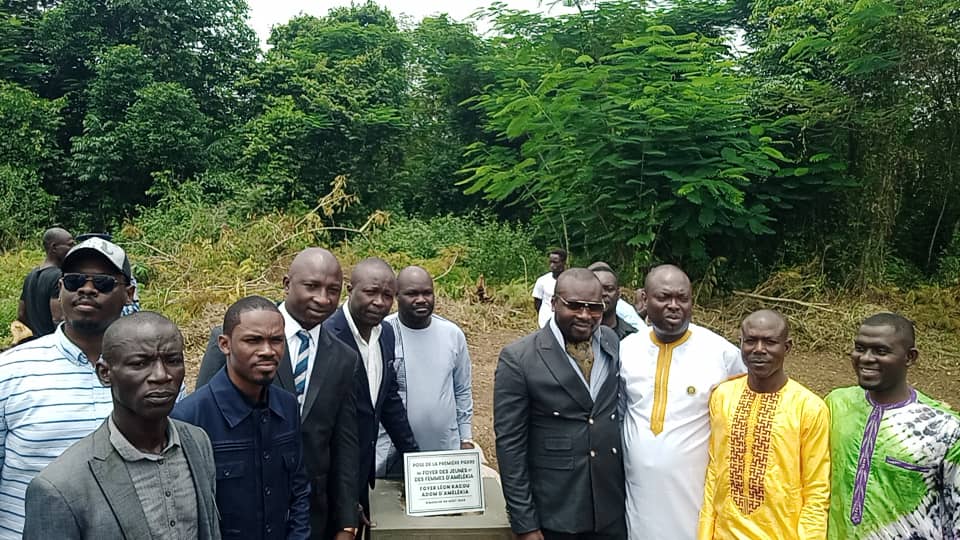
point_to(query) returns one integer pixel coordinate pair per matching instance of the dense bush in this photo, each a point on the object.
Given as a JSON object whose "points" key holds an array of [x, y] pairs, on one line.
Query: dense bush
{"points": [[501, 252]]}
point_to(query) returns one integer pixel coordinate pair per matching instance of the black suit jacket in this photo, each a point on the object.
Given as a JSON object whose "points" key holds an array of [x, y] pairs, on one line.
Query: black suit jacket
{"points": [[388, 410], [559, 451], [328, 427]]}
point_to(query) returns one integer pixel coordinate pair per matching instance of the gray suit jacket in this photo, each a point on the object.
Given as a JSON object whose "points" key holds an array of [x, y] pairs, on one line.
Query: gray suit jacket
{"points": [[559, 451], [88, 494]]}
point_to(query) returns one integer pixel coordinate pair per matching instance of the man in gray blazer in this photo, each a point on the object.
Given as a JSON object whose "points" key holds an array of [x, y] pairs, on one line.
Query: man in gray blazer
{"points": [[557, 424], [140, 474]]}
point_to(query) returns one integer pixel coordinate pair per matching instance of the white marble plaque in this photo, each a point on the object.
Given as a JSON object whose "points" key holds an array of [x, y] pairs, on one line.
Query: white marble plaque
{"points": [[440, 483]]}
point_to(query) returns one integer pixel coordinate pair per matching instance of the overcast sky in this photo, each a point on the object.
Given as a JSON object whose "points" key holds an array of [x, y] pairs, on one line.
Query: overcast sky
{"points": [[266, 13]]}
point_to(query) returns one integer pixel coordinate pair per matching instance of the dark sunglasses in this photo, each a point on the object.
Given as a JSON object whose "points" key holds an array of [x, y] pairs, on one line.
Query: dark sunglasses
{"points": [[592, 307], [101, 282]]}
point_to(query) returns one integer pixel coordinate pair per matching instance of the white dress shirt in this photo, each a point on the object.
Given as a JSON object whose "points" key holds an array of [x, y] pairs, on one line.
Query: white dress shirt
{"points": [[369, 353]]}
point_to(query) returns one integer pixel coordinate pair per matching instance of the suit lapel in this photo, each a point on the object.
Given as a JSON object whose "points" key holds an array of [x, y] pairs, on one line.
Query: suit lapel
{"points": [[111, 474], [387, 342], [285, 373], [197, 470], [321, 366], [612, 349], [559, 366]]}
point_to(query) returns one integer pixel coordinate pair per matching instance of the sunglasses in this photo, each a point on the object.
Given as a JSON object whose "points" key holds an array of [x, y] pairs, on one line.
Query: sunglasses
{"points": [[592, 307], [101, 282]]}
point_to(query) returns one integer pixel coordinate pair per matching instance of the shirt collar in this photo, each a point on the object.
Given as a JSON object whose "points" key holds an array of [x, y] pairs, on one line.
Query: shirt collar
{"points": [[69, 349], [129, 452], [291, 326], [233, 406], [374, 332]]}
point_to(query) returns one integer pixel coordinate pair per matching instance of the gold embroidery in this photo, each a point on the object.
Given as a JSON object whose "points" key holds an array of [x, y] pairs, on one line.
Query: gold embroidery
{"points": [[660, 385], [749, 447]]}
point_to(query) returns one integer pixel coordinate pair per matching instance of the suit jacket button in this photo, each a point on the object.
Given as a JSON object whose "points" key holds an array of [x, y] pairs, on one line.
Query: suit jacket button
{"points": [[613, 416], [593, 453], [590, 421], [556, 413], [614, 450]]}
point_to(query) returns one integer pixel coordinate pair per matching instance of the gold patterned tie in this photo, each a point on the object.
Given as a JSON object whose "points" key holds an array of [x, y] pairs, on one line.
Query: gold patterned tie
{"points": [[582, 352]]}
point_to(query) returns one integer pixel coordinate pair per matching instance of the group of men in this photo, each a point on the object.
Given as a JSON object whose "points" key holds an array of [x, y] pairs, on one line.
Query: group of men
{"points": [[281, 437], [609, 424], [669, 432]]}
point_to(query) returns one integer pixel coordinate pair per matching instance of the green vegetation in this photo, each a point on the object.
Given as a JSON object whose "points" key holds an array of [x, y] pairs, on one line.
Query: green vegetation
{"points": [[630, 132]]}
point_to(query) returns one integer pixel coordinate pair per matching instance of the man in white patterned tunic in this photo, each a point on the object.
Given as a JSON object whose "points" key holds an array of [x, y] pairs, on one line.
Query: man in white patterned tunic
{"points": [[895, 452], [667, 375]]}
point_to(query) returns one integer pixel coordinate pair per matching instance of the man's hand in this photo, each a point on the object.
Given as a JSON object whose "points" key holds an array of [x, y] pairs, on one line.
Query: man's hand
{"points": [[466, 445], [344, 535], [532, 535]]}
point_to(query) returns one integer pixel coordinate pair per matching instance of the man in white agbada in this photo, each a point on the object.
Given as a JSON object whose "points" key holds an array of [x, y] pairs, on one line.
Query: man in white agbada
{"points": [[668, 373]]}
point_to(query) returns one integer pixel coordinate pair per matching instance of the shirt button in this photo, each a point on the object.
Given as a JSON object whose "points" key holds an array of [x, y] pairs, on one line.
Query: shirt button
{"points": [[167, 493], [269, 529], [173, 523], [263, 419], [267, 491], [266, 456], [593, 453]]}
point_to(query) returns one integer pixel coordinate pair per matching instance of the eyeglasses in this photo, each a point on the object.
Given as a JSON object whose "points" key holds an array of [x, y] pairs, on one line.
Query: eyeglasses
{"points": [[592, 307], [101, 282]]}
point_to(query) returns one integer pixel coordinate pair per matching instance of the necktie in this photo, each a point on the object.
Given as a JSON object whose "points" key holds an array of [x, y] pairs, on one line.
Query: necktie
{"points": [[582, 353], [300, 368]]}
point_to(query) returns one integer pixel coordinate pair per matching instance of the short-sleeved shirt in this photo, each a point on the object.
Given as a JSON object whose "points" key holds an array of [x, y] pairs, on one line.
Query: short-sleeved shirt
{"points": [[40, 285], [543, 291]]}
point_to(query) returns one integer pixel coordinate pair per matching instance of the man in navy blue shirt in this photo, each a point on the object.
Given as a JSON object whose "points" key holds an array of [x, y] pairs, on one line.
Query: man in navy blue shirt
{"points": [[262, 488]]}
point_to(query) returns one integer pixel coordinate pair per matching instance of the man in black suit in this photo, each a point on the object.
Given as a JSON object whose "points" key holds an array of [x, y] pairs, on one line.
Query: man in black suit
{"points": [[319, 369], [557, 425], [359, 323]]}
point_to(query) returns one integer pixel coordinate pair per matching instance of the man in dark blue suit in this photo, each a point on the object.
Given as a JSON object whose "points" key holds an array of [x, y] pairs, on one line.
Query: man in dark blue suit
{"points": [[359, 324]]}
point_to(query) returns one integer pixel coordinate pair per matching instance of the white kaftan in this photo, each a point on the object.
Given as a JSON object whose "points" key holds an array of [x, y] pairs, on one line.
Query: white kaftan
{"points": [[666, 427]]}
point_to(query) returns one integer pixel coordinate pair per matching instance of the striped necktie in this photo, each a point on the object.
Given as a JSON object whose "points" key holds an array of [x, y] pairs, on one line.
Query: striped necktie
{"points": [[300, 368]]}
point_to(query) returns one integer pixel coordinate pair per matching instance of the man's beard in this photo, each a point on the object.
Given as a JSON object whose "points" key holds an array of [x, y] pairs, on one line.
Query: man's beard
{"points": [[90, 328]]}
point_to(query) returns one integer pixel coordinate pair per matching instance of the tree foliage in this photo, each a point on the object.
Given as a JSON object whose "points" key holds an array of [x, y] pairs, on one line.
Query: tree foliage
{"points": [[761, 133]]}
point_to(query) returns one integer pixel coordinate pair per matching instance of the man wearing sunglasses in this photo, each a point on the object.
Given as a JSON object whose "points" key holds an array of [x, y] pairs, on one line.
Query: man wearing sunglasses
{"points": [[555, 400], [49, 386]]}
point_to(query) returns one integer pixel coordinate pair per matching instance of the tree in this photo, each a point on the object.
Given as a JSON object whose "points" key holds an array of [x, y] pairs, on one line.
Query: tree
{"points": [[338, 86]]}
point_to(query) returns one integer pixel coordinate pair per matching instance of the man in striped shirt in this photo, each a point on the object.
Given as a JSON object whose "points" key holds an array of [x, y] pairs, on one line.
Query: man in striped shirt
{"points": [[50, 396]]}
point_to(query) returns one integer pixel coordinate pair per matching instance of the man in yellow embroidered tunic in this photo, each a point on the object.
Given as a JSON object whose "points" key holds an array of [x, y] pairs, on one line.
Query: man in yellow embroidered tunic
{"points": [[667, 375], [769, 472]]}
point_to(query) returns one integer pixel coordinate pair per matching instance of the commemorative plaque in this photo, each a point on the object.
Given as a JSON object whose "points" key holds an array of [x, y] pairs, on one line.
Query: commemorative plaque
{"points": [[442, 483]]}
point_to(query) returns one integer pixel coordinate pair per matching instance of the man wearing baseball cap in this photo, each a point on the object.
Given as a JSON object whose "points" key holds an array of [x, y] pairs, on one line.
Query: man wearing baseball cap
{"points": [[49, 387]]}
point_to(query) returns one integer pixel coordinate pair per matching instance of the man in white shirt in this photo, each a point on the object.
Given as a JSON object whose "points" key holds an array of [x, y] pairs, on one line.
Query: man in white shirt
{"points": [[359, 324], [543, 288], [667, 375], [433, 372]]}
